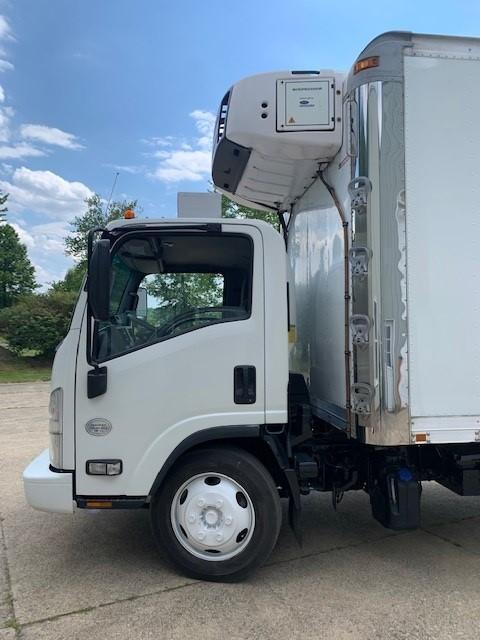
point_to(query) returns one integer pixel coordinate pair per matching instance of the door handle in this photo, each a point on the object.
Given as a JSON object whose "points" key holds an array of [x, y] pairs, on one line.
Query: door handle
{"points": [[244, 384]]}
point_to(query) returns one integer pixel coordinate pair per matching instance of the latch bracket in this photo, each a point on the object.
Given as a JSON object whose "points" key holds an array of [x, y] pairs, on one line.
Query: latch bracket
{"points": [[362, 396], [359, 258], [360, 327], [359, 189]]}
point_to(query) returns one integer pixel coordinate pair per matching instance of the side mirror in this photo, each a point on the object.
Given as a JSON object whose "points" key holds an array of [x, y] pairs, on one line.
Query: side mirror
{"points": [[142, 304], [98, 284]]}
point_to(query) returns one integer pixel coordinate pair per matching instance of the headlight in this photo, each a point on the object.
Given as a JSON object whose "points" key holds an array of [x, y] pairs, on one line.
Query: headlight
{"points": [[55, 428]]}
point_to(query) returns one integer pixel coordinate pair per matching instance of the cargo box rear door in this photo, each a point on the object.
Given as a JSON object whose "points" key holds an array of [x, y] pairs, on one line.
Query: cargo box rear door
{"points": [[442, 146]]}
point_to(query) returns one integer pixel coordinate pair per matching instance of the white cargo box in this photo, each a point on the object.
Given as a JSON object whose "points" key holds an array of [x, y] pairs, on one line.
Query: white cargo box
{"points": [[414, 216]]}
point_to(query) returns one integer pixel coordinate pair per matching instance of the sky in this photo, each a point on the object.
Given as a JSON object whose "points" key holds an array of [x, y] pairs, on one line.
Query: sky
{"points": [[95, 87]]}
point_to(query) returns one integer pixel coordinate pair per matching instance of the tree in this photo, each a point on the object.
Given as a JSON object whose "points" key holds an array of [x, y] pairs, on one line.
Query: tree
{"points": [[3, 207], [231, 209], [76, 243], [17, 274], [37, 322], [175, 292], [72, 281], [95, 216]]}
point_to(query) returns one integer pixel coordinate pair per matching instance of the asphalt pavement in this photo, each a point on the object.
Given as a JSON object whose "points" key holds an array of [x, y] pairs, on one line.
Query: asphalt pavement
{"points": [[97, 574]]}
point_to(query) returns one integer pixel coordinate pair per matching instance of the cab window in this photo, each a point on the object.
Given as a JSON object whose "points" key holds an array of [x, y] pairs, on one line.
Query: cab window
{"points": [[168, 284]]}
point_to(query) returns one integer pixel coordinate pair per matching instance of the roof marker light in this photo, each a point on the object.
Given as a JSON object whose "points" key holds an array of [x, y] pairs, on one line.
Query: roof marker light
{"points": [[366, 63], [129, 214]]}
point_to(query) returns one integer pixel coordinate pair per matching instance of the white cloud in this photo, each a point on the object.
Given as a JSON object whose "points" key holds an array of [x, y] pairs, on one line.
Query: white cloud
{"points": [[49, 135], [5, 65], [165, 141], [19, 151], [46, 276], [186, 160], [6, 168], [125, 168], [2, 94], [5, 34], [205, 123], [45, 192], [6, 114], [5, 30], [184, 165], [24, 236], [46, 248], [55, 201]]}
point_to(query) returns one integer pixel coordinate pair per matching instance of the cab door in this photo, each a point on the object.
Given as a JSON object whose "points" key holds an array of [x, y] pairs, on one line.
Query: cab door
{"points": [[193, 360]]}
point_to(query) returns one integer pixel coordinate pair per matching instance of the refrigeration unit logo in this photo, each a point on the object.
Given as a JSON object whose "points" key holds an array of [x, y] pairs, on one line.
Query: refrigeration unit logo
{"points": [[98, 427]]}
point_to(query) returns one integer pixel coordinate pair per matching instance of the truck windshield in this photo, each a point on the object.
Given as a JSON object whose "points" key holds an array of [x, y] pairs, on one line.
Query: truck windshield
{"points": [[164, 285]]}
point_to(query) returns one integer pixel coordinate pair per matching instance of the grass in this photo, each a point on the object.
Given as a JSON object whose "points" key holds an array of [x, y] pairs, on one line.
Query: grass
{"points": [[12, 624], [24, 368]]}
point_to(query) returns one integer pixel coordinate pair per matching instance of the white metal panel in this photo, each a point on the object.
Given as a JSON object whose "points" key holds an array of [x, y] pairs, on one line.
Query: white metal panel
{"points": [[193, 204], [317, 262], [445, 429], [442, 137], [159, 395], [276, 325]]}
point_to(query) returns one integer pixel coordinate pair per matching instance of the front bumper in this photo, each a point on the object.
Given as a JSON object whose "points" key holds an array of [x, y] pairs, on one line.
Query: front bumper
{"points": [[47, 490]]}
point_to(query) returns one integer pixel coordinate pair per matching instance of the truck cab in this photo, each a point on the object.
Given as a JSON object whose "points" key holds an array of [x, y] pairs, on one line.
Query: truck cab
{"points": [[168, 351]]}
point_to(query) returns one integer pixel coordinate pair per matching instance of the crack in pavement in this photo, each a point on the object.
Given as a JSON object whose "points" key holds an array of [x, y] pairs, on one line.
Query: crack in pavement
{"points": [[8, 579], [457, 545], [199, 582], [110, 603], [194, 583]]}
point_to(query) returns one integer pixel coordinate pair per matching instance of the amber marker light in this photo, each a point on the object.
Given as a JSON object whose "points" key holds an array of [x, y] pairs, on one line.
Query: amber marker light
{"points": [[129, 214], [99, 504], [421, 437], [366, 63]]}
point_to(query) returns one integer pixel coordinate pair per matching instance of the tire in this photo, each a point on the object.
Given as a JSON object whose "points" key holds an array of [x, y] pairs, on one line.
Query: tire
{"points": [[217, 494]]}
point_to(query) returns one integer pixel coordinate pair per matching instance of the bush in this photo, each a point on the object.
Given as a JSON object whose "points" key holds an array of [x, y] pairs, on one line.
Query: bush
{"points": [[38, 322]]}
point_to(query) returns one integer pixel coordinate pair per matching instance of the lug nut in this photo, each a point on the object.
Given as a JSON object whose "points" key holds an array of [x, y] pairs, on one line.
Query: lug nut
{"points": [[200, 535], [228, 520], [201, 502], [191, 518], [219, 537], [219, 504]]}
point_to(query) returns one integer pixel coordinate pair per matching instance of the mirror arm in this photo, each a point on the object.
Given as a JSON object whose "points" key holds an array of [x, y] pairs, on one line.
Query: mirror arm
{"points": [[90, 237], [96, 377]]}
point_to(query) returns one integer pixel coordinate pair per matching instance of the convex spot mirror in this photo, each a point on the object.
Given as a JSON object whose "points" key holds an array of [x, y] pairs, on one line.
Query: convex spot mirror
{"points": [[99, 276]]}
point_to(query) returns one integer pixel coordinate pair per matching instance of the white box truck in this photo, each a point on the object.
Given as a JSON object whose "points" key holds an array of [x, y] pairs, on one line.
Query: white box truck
{"points": [[208, 371]]}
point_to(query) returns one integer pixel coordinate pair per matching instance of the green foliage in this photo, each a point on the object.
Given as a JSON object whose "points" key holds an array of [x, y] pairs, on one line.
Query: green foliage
{"points": [[72, 281], [177, 292], [94, 216], [3, 208], [37, 322], [17, 275], [232, 210]]}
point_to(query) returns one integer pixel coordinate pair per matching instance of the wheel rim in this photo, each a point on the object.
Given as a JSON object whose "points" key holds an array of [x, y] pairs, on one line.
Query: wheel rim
{"points": [[212, 517]]}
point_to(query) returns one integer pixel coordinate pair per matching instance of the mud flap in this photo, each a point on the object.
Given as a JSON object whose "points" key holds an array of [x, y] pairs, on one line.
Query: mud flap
{"points": [[395, 500], [294, 505]]}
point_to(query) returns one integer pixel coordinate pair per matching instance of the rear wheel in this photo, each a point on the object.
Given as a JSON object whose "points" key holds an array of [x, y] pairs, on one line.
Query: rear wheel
{"points": [[218, 514]]}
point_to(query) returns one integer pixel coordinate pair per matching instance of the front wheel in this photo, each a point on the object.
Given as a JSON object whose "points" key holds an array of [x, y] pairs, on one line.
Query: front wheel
{"points": [[218, 514]]}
